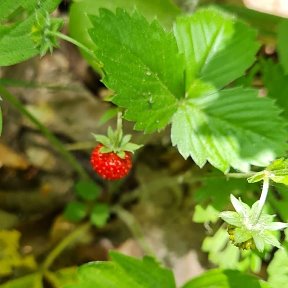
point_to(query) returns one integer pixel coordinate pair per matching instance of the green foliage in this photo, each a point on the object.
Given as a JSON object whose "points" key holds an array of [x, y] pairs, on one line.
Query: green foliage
{"points": [[278, 269], [276, 83], [207, 124], [75, 211], [87, 205], [220, 128], [123, 272], [277, 171], [226, 279], [216, 190], [213, 44], [79, 23], [16, 43], [87, 190], [282, 44], [150, 92], [203, 215], [99, 215]]}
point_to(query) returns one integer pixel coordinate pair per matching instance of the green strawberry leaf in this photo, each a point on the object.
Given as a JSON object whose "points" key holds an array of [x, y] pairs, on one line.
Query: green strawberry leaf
{"points": [[217, 48], [79, 24], [122, 272], [276, 83], [282, 44], [16, 43], [142, 65], [229, 128]]}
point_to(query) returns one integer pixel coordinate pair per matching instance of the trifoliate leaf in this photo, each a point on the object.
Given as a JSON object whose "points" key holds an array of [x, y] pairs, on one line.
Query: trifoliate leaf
{"points": [[228, 129], [142, 66], [217, 48], [16, 43]]}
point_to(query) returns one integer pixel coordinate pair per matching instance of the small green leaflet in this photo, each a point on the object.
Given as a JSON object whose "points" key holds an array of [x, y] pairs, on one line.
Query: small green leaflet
{"points": [[142, 66], [151, 80], [122, 272], [277, 171], [16, 44]]}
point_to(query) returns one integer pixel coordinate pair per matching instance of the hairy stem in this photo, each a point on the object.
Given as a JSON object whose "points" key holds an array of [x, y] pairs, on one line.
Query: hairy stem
{"points": [[80, 45], [58, 145]]}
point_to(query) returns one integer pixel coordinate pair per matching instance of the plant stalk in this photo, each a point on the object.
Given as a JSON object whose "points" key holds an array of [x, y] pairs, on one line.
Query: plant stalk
{"points": [[58, 145], [79, 45], [263, 197], [64, 244]]}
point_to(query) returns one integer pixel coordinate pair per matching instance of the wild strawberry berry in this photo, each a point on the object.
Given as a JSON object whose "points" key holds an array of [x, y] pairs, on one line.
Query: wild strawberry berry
{"points": [[109, 165], [112, 157]]}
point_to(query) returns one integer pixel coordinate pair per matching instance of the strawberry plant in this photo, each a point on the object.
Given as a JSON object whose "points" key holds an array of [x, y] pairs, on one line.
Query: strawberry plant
{"points": [[194, 77]]}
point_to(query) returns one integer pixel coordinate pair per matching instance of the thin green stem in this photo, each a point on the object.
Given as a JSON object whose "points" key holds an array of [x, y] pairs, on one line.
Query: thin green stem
{"points": [[73, 41], [81, 46], [58, 145], [240, 175], [63, 245], [263, 197]]}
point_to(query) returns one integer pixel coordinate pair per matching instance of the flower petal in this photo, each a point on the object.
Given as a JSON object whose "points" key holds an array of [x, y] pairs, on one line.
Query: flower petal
{"points": [[276, 226], [239, 206], [259, 242], [271, 239], [231, 217]]}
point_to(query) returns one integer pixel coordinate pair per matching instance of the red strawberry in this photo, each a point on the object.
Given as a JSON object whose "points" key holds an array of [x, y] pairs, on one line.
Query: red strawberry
{"points": [[109, 165]]}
